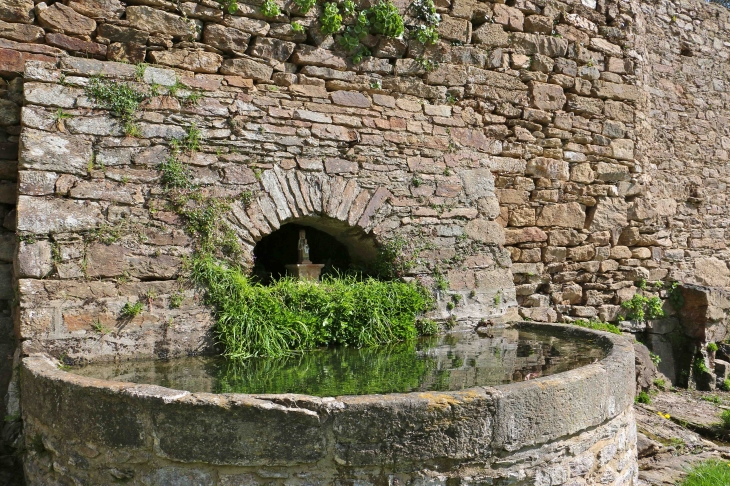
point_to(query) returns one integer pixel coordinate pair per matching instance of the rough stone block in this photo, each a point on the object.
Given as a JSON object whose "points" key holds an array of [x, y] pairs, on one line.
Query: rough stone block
{"points": [[157, 21], [549, 97], [247, 68], [267, 48], [59, 17], [195, 61], [21, 11], [54, 152], [491, 35], [43, 216], [567, 215], [510, 17]]}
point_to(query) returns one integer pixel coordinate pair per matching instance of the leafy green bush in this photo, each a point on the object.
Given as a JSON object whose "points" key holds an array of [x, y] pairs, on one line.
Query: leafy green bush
{"points": [[699, 366], [725, 385], [175, 174], [256, 320], [643, 397], [660, 383], [641, 307], [712, 347], [331, 19], [269, 8], [425, 35], [385, 19], [597, 325], [709, 473]]}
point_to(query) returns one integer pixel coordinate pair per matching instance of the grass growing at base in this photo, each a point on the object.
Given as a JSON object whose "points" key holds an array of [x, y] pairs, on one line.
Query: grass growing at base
{"points": [[256, 320], [709, 473], [597, 325]]}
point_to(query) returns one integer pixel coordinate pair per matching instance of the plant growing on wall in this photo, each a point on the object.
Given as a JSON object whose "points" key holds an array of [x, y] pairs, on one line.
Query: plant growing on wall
{"points": [[120, 98], [640, 308]]}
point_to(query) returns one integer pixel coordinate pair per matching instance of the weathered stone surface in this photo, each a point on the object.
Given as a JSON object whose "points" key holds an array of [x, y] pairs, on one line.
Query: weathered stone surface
{"points": [[267, 48], [42, 216], [610, 213], [350, 98], [195, 61], [21, 11], [314, 56], [9, 113], [34, 260], [102, 9], [548, 168], [247, 68], [59, 16], [245, 24], [74, 44], [226, 38], [125, 35], [156, 21], [54, 152], [548, 96], [712, 271], [485, 231], [568, 215], [20, 32]]}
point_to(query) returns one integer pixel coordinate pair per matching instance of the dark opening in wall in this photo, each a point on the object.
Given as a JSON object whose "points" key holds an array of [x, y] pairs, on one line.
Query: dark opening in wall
{"points": [[279, 248]]}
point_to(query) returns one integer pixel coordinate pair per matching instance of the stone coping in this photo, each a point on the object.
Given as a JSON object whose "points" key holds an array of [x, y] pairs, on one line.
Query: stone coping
{"points": [[249, 430]]}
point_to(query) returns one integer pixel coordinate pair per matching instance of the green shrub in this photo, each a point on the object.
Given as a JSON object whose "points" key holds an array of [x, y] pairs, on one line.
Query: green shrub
{"points": [[725, 385], [655, 358], [643, 397], [256, 320], [269, 8], [708, 473], [660, 383], [712, 347], [331, 19], [641, 307], [175, 174], [385, 19], [426, 35]]}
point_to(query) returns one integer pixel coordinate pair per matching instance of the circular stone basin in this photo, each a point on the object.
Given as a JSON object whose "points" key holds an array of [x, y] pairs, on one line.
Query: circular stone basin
{"points": [[460, 426], [449, 362]]}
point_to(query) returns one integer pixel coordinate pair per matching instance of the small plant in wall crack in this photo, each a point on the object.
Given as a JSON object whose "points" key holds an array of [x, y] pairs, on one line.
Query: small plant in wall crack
{"points": [[132, 310], [119, 98]]}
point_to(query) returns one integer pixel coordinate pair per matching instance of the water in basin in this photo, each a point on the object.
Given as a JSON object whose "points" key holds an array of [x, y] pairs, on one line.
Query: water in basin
{"points": [[447, 362]]}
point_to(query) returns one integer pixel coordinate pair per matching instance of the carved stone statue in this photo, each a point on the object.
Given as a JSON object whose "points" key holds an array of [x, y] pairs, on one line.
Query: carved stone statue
{"points": [[304, 269]]}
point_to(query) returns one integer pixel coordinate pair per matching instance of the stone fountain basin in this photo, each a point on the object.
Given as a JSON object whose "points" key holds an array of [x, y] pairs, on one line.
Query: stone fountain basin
{"points": [[573, 425]]}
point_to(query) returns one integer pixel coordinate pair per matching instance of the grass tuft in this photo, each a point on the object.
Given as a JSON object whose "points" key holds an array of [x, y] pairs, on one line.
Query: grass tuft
{"points": [[597, 325], [708, 473]]}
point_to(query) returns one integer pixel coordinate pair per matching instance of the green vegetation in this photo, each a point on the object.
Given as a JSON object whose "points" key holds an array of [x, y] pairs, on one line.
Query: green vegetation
{"points": [[97, 326], [231, 6], [712, 347], [269, 8], [597, 325], [675, 296], [256, 320], [708, 473], [119, 98], [61, 115], [712, 399], [643, 397], [396, 257], [725, 417], [131, 310], [660, 383], [331, 19], [385, 19], [699, 365], [175, 174], [304, 6], [297, 27], [425, 35], [640, 308], [655, 358]]}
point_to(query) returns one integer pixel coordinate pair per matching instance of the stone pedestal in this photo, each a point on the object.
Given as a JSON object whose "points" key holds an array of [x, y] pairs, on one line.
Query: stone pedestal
{"points": [[305, 271]]}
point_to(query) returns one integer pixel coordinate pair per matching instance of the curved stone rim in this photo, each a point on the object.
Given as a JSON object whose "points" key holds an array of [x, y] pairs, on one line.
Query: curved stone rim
{"points": [[517, 415]]}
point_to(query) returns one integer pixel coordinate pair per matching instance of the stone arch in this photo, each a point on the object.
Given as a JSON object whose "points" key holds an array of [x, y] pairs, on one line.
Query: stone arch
{"points": [[336, 205]]}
